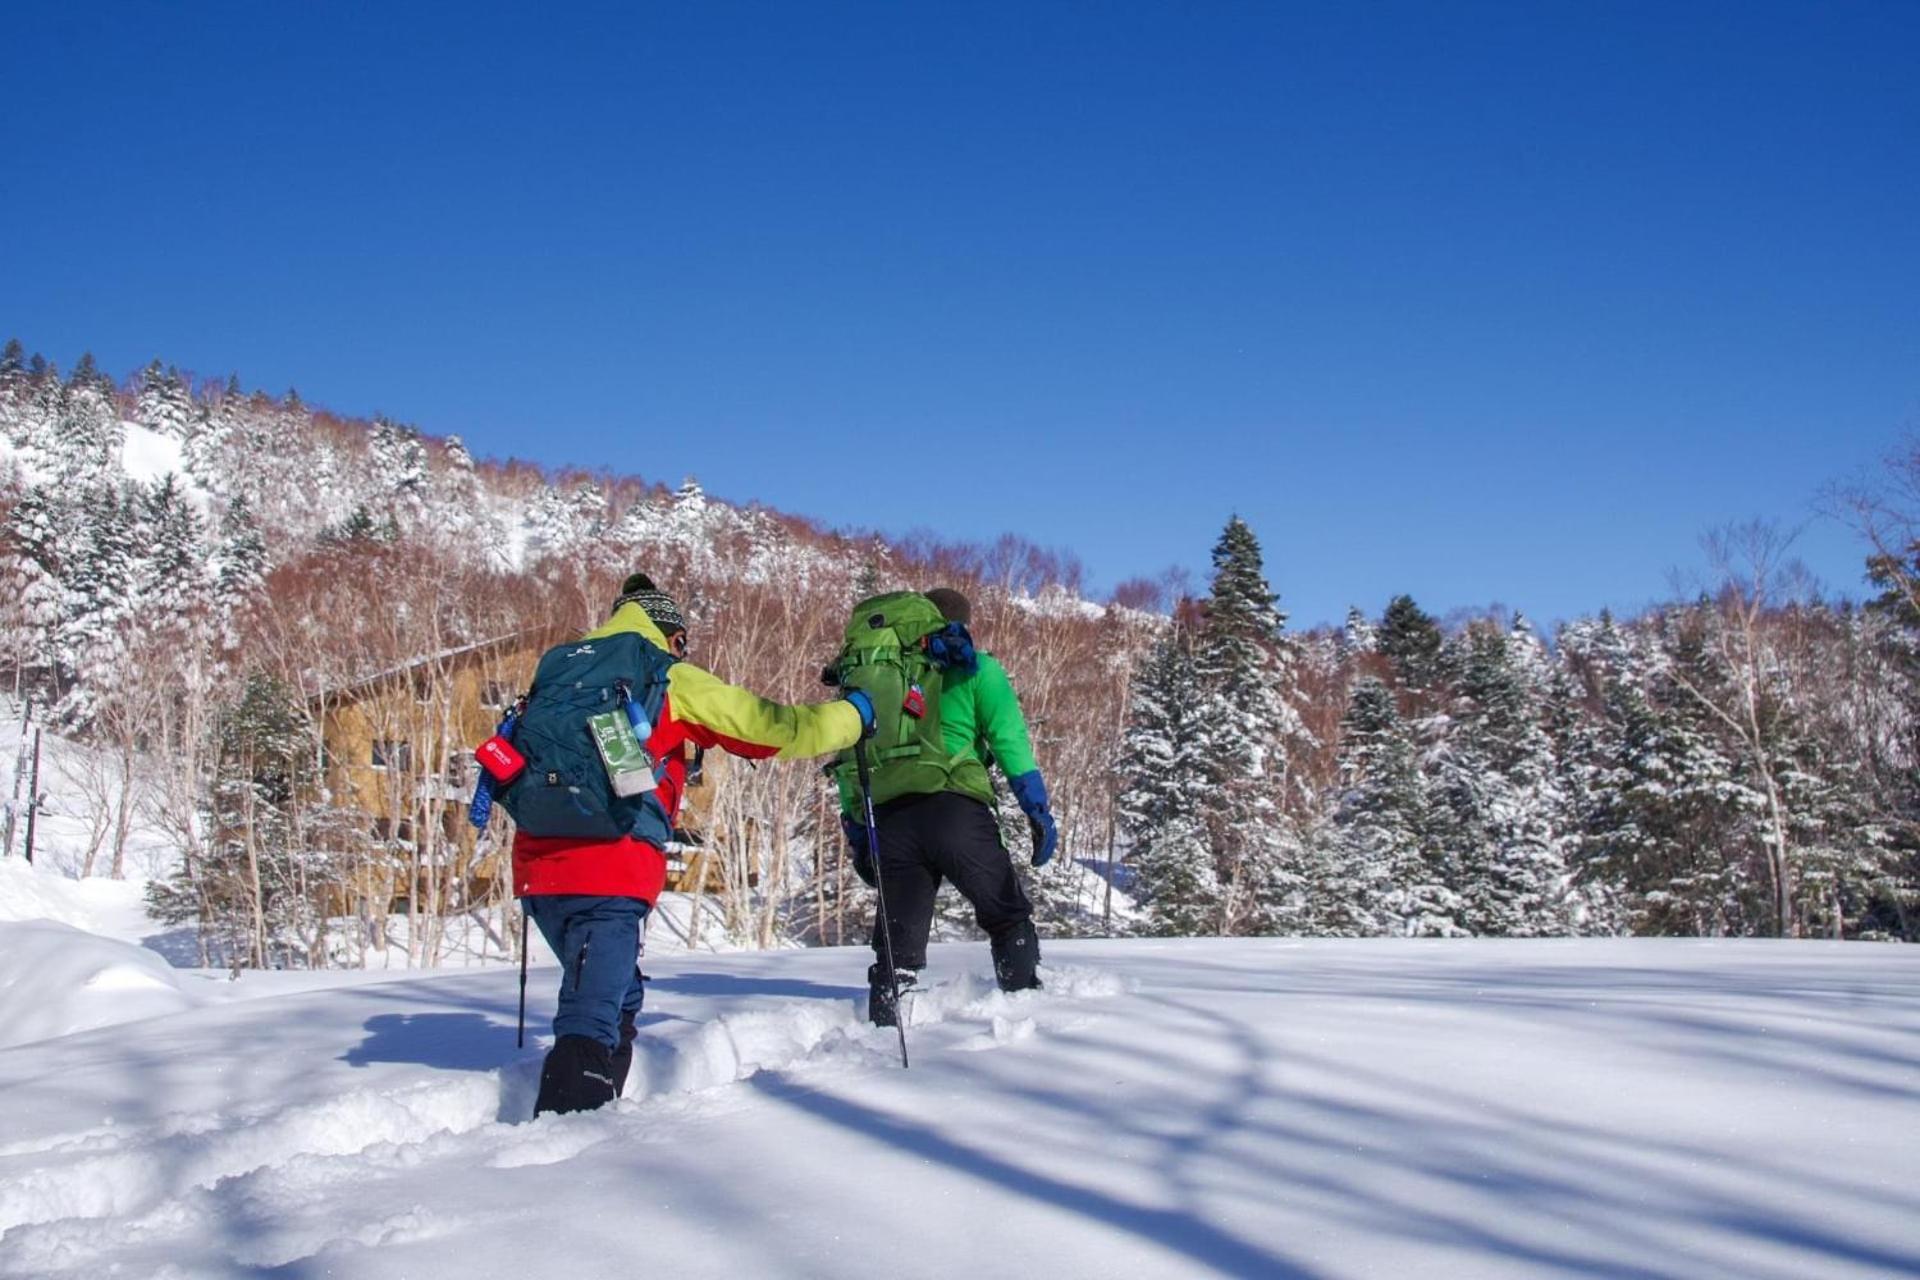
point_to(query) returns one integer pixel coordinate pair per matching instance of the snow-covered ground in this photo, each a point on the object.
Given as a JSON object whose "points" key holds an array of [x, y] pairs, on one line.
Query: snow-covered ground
{"points": [[111, 908], [1251, 1108]]}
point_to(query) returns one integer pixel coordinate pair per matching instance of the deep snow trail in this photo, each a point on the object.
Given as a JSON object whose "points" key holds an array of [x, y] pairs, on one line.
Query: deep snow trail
{"points": [[1165, 1108]]}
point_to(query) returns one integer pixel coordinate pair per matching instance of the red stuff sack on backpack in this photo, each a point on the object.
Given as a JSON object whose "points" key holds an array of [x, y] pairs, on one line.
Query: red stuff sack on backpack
{"points": [[501, 761]]}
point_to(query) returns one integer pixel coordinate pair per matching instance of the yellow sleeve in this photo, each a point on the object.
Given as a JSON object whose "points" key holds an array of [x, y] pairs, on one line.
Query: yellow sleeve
{"points": [[718, 714]]}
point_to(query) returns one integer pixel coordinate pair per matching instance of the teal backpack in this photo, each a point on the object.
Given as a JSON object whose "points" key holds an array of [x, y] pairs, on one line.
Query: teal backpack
{"points": [[564, 791]]}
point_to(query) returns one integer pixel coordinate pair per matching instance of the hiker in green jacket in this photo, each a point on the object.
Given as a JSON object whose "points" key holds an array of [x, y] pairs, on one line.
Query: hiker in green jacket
{"points": [[951, 834]]}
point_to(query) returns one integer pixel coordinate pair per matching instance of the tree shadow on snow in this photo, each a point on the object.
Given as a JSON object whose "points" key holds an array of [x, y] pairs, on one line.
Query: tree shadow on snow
{"points": [[1174, 1229], [1792, 1020], [450, 1041], [178, 947]]}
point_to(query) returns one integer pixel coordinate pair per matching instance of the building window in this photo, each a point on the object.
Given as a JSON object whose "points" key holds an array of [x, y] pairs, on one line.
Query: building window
{"points": [[388, 754]]}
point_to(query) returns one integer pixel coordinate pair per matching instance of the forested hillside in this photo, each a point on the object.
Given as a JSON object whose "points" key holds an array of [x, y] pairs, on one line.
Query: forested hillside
{"points": [[194, 570]]}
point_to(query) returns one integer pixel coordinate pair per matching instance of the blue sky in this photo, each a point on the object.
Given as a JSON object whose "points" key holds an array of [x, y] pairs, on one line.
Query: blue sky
{"points": [[1481, 302]]}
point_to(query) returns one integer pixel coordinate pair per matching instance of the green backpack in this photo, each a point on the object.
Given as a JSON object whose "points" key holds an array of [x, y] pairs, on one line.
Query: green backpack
{"points": [[885, 654]]}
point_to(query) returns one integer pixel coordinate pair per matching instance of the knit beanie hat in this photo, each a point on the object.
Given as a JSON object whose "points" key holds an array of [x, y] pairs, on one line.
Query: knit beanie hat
{"points": [[953, 606], [655, 603]]}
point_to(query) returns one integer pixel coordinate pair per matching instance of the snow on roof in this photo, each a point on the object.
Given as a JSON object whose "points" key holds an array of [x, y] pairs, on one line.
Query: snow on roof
{"points": [[365, 684]]}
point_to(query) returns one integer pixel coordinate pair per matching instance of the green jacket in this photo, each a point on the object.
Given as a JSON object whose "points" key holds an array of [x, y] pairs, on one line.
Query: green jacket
{"points": [[980, 718]]}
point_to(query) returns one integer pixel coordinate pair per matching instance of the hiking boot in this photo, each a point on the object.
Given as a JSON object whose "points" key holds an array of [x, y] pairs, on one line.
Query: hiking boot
{"points": [[883, 1005], [1016, 957], [577, 1076]]}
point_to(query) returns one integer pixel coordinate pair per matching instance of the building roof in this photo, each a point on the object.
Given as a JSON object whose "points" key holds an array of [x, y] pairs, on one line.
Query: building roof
{"points": [[543, 636]]}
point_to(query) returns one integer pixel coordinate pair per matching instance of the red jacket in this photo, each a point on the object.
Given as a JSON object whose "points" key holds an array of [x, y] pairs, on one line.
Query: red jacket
{"points": [[700, 709]]}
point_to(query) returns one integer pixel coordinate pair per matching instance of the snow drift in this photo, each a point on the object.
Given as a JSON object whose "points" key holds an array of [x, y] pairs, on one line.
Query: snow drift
{"points": [[56, 980]]}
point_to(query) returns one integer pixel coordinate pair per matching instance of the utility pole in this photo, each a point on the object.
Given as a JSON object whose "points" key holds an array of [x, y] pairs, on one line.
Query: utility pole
{"points": [[33, 796], [19, 776]]}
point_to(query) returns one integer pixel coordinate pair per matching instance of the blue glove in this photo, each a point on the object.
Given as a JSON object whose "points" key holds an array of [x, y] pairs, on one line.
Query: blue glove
{"points": [[864, 705], [860, 841], [1030, 789], [1045, 836]]}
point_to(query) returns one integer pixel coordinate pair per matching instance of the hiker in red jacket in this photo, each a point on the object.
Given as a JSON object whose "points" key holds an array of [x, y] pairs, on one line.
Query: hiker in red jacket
{"points": [[589, 896]]}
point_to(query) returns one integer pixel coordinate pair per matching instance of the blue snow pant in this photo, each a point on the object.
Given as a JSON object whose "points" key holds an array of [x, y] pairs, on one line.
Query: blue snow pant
{"points": [[597, 939]]}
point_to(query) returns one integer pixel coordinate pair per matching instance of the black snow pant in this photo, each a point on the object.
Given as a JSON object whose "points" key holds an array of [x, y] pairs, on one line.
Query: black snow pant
{"points": [[927, 839]]}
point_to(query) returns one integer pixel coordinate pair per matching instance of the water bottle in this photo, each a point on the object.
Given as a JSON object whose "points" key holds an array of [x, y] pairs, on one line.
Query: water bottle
{"points": [[637, 717]]}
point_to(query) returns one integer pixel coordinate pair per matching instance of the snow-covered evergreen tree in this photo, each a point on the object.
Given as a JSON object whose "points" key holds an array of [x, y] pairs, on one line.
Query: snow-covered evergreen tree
{"points": [[1412, 641], [1496, 795], [1249, 728], [398, 461], [88, 376], [1163, 771], [172, 587], [99, 604], [40, 537], [456, 496], [164, 404], [1162, 753], [1174, 879], [1379, 881], [1359, 636], [86, 445], [240, 560], [1662, 814], [14, 399], [211, 433], [1243, 666]]}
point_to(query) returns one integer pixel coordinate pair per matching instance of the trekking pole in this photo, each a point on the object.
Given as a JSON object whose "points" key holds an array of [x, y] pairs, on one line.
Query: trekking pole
{"points": [[520, 1041], [886, 923]]}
